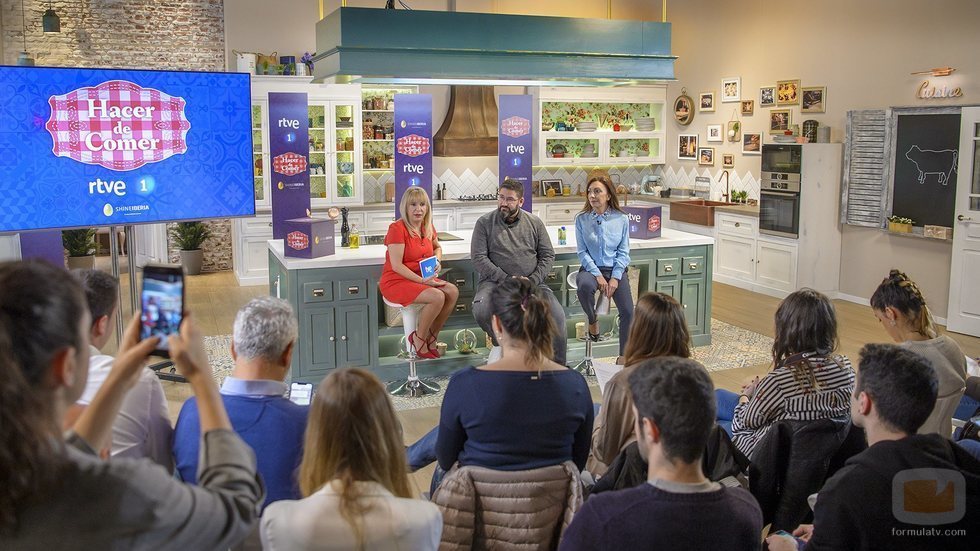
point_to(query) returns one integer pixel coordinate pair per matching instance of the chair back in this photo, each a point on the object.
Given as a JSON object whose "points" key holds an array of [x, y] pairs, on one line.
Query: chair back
{"points": [[489, 509], [793, 462]]}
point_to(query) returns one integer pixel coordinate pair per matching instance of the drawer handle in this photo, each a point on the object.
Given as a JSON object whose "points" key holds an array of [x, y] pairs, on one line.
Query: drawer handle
{"points": [[693, 265], [567, 211], [318, 292], [332, 338], [343, 337], [353, 290], [552, 276], [460, 308], [737, 224], [668, 268], [461, 281]]}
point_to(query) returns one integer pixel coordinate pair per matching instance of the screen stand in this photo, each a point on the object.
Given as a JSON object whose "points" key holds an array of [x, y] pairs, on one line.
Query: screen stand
{"points": [[133, 292]]}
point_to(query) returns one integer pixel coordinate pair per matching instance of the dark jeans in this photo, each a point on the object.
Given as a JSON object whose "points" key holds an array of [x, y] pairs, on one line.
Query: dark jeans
{"points": [[587, 285], [423, 453], [726, 401]]}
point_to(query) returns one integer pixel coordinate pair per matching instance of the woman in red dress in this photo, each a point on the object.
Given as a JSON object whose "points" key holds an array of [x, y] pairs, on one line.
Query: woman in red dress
{"points": [[410, 240]]}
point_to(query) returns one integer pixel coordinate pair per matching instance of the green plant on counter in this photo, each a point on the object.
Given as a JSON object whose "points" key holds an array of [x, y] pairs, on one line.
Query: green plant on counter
{"points": [[189, 236], [740, 196], [900, 219], [79, 242]]}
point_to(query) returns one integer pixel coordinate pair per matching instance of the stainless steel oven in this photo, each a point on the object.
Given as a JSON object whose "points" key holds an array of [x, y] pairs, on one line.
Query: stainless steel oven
{"points": [[779, 206]]}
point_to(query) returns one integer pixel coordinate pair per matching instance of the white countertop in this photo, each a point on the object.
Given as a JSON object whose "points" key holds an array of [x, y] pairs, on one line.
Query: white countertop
{"points": [[374, 255]]}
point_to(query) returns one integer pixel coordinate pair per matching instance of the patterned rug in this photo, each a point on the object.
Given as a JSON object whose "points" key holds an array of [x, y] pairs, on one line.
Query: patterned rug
{"points": [[731, 348]]}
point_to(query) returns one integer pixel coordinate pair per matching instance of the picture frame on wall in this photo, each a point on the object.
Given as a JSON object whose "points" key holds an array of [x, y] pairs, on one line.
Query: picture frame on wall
{"points": [[687, 147], [731, 89], [779, 120], [767, 96], [748, 107], [752, 143], [728, 160], [714, 133], [552, 185], [706, 102], [706, 156], [814, 99], [734, 131], [684, 108], [788, 92]]}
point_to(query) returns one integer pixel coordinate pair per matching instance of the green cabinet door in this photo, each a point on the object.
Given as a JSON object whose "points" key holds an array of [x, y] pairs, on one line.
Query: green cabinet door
{"points": [[354, 336], [319, 343], [670, 287], [692, 297]]}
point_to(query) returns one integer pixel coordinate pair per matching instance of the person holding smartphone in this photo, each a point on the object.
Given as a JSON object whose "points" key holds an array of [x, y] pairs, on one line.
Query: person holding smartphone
{"points": [[123, 503], [411, 239]]}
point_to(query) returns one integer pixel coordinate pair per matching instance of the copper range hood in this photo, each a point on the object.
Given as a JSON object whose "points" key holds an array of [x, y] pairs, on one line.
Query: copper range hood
{"points": [[470, 126]]}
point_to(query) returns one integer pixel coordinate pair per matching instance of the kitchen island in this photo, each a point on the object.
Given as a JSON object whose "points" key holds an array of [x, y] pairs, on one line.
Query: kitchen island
{"points": [[342, 316]]}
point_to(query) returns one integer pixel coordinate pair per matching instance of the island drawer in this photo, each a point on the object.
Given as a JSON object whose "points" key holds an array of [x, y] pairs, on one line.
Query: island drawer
{"points": [[692, 265], [352, 289], [318, 291]]}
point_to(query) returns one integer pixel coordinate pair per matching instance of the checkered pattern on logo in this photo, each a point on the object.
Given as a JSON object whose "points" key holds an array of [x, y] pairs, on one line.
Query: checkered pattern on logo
{"points": [[515, 126], [297, 240], [289, 164], [413, 145], [71, 123]]}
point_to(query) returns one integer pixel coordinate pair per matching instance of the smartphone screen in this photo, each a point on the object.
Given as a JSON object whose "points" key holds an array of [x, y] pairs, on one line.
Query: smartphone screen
{"points": [[301, 393], [162, 302]]}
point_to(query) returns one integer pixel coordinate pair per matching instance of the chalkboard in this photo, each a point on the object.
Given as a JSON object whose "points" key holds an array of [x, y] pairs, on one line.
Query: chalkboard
{"points": [[926, 152]]}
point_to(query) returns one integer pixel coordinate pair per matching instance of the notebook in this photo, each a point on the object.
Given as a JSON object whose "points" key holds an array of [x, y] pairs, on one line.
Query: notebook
{"points": [[427, 266]]}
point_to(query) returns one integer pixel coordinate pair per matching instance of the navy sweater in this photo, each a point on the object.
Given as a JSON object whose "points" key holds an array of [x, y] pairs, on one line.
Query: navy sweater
{"points": [[515, 420]]}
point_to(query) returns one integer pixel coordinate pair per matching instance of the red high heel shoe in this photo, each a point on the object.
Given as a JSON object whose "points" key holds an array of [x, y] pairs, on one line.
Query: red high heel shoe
{"points": [[429, 355], [429, 342]]}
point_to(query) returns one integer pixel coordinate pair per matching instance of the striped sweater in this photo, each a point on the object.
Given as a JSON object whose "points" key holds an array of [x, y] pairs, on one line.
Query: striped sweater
{"points": [[785, 393]]}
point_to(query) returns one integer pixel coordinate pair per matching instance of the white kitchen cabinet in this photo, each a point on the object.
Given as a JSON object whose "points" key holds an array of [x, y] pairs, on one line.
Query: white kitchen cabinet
{"points": [[560, 214], [466, 217], [377, 221], [775, 265], [443, 220], [735, 256], [744, 259]]}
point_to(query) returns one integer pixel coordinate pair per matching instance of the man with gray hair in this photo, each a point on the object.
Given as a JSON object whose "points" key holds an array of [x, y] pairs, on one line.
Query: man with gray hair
{"points": [[254, 394]]}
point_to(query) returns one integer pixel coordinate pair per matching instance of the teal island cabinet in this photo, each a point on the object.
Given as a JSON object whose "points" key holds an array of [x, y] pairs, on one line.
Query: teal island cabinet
{"points": [[343, 323]]}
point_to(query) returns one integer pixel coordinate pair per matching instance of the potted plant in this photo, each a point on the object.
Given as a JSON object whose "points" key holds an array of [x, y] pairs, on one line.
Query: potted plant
{"points": [[81, 246], [188, 237], [899, 224]]}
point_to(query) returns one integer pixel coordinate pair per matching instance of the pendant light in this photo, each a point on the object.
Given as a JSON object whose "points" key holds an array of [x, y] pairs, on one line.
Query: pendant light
{"points": [[50, 21], [24, 58]]}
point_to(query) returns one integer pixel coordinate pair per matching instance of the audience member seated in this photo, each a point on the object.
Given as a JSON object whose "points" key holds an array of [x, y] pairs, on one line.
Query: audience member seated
{"points": [[808, 381], [353, 479], [659, 329], [900, 307], [857, 509], [55, 493], [521, 412], [262, 346], [142, 428], [411, 239], [678, 508]]}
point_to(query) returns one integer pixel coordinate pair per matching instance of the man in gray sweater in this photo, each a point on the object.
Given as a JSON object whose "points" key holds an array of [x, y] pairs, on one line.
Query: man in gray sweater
{"points": [[509, 242]]}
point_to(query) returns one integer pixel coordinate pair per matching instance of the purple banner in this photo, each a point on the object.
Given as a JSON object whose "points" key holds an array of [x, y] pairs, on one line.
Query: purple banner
{"points": [[43, 244], [413, 144], [289, 151], [514, 141]]}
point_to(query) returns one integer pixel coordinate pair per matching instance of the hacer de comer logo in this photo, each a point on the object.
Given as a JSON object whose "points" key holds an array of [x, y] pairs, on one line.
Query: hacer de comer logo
{"points": [[118, 125]]}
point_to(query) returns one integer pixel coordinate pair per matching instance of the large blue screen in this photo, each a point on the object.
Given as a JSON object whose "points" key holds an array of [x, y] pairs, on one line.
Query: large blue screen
{"points": [[99, 147]]}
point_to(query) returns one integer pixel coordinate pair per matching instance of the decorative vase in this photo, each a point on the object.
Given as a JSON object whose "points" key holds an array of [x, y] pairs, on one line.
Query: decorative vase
{"points": [[86, 262], [344, 229], [898, 227], [192, 261]]}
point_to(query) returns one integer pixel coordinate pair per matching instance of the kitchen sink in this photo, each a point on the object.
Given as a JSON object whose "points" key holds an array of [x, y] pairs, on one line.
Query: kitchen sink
{"points": [[695, 211]]}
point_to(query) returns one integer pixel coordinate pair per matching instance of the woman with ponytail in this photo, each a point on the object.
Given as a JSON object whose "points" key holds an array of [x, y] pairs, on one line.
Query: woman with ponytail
{"points": [[900, 307], [55, 492], [521, 412]]}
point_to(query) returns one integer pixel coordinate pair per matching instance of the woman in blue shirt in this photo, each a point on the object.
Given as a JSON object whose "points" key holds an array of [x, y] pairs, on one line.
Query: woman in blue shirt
{"points": [[603, 238]]}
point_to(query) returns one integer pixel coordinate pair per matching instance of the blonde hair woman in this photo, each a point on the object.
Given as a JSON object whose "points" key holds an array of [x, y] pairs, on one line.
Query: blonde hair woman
{"points": [[353, 477], [410, 239]]}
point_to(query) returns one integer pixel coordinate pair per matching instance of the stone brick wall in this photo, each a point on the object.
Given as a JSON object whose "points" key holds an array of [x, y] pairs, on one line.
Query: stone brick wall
{"points": [[136, 34]]}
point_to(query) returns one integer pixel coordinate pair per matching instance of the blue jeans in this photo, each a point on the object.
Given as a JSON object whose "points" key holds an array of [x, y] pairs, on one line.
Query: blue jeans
{"points": [[726, 401], [422, 454], [966, 408]]}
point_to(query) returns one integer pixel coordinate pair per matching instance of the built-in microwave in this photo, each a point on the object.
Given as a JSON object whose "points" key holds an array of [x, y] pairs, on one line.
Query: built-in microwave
{"points": [[781, 159]]}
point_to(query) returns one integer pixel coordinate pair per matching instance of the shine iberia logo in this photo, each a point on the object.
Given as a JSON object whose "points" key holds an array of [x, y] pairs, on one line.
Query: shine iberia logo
{"points": [[289, 164], [413, 145], [118, 125], [297, 240], [515, 126]]}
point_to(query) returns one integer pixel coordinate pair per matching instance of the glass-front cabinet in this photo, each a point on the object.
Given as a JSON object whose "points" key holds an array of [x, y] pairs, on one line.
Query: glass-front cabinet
{"points": [[378, 126], [335, 176], [260, 153]]}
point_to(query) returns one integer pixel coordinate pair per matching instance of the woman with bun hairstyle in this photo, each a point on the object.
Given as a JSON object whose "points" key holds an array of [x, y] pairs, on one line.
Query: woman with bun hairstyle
{"points": [[602, 236], [411, 239], [523, 411], [352, 476], [659, 329], [900, 307]]}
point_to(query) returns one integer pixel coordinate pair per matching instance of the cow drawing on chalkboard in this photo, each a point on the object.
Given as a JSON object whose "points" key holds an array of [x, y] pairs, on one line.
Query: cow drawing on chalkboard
{"points": [[929, 161]]}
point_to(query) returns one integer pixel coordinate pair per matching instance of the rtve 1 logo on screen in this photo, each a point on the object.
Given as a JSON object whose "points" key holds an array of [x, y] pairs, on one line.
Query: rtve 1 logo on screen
{"points": [[120, 126]]}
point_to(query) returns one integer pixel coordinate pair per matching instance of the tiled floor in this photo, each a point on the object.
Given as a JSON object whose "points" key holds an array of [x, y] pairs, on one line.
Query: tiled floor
{"points": [[215, 298]]}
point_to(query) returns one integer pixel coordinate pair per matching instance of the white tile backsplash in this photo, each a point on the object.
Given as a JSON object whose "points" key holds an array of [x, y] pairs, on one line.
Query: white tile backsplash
{"points": [[683, 177]]}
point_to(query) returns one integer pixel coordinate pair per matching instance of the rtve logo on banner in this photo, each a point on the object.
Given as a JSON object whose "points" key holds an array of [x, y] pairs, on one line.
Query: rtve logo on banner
{"points": [[120, 126]]}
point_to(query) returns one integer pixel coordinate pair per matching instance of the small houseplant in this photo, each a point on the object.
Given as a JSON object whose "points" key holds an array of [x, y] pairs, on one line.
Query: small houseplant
{"points": [[81, 246], [188, 237], [899, 224]]}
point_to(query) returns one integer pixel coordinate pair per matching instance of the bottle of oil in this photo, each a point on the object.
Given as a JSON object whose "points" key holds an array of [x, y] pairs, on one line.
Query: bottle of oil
{"points": [[355, 237]]}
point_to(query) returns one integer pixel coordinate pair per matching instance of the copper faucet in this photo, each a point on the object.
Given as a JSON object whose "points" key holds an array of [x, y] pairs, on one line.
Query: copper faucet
{"points": [[727, 191]]}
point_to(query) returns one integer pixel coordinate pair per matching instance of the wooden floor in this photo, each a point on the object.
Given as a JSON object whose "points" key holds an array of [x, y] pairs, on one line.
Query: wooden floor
{"points": [[215, 298]]}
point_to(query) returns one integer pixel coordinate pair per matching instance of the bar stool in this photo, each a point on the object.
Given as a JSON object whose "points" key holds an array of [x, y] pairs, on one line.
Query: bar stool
{"points": [[585, 366], [413, 387]]}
